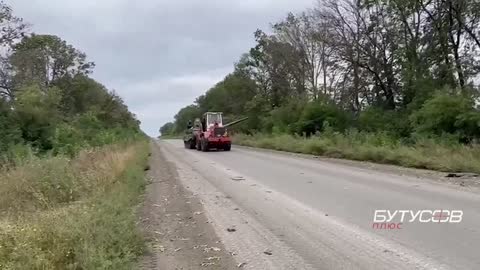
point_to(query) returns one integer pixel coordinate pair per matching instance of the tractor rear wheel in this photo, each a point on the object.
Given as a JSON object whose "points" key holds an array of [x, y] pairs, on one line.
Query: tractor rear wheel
{"points": [[227, 147], [192, 144]]}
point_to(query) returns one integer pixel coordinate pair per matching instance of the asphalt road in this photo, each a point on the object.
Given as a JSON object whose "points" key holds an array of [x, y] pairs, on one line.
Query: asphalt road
{"points": [[301, 213]]}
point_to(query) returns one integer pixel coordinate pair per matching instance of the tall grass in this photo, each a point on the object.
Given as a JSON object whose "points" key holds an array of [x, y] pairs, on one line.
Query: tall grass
{"points": [[426, 153], [62, 213]]}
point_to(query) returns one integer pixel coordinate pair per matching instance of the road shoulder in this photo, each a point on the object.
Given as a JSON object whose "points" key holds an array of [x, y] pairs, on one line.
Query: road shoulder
{"points": [[179, 233]]}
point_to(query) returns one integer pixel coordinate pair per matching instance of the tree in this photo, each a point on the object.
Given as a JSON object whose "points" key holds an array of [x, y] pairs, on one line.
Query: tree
{"points": [[277, 68], [229, 95], [81, 94], [11, 29], [38, 114], [189, 113], [167, 129], [114, 113], [378, 63], [43, 59], [47, 99], [307, 34]]}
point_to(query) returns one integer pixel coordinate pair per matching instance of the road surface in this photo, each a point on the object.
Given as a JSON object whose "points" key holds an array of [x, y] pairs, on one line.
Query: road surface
{"points": [[279, 211]]}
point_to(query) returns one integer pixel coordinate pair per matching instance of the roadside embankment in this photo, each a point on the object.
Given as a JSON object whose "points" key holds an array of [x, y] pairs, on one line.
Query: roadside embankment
{"points": [[79, 213], [423, 153]]}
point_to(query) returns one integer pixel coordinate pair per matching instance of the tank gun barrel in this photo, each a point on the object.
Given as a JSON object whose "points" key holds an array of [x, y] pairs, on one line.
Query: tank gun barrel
{"points": [[235, 122]]}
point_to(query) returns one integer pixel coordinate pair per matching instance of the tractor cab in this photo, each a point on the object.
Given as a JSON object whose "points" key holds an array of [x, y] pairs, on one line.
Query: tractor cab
{"points": [[212, 119]]}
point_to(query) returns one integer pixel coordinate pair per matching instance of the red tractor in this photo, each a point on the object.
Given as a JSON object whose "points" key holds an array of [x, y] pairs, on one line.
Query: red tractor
{"points": [[208, 133]]}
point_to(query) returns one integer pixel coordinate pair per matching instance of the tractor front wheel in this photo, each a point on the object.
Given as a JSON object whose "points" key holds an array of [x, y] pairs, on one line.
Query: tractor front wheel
{"points": [[192, 144], [204, 145], [227, 147], [198, 145]]}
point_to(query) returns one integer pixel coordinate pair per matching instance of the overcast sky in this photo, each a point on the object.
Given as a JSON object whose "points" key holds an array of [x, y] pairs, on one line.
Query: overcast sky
{"points": [[158, 55]]}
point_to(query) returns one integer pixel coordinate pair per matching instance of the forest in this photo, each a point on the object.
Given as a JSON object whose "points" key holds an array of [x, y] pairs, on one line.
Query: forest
{"points": [[48, 102], [366, 72]]}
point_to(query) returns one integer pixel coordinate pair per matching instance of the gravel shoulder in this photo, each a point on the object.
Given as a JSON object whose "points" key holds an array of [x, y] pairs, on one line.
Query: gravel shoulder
{"points": [[179, 233]]}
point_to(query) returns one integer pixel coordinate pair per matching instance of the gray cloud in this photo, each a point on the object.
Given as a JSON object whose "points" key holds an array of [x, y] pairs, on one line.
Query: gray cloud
{"points": [[158, 55]]}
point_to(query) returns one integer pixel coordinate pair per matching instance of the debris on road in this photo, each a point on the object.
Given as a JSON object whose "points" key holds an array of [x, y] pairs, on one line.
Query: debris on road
{"points": [[159, 248], [268, 252], [208, 249], [231, 230], [240, 265], [238, 178], [461, 175]]}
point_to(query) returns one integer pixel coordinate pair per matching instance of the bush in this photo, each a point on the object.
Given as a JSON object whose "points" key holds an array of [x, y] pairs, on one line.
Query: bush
{"points": [[448, 113], [283, 119], [68, 140], [85, 131], [375, 120], [16, 155], [10, 132], [316, 114]]}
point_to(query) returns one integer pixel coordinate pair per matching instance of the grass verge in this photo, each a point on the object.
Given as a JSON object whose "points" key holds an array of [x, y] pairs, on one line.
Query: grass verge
{"points": [[61, 213], [433, 154]]}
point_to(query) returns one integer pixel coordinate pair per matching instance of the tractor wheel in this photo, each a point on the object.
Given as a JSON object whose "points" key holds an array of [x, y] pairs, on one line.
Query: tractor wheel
{"points": [[204, 145], [198, 145], [192, 144], [227, 147]]}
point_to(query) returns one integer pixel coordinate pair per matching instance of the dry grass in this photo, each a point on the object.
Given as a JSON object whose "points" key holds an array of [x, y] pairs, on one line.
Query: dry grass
{"points": [[44, 183], [61, 213]]}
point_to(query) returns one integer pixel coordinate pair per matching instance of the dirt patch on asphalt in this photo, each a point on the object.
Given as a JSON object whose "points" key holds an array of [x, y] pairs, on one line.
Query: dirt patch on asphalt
{"points": [[180, 236]]}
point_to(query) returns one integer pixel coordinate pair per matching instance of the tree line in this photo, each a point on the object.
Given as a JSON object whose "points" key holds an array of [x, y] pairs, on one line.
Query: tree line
{"points": [[48, 102], [401, 67]]}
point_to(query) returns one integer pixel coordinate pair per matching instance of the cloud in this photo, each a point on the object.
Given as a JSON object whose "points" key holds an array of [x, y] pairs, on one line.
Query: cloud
{"points": [[172, 89], [158, 55]]}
